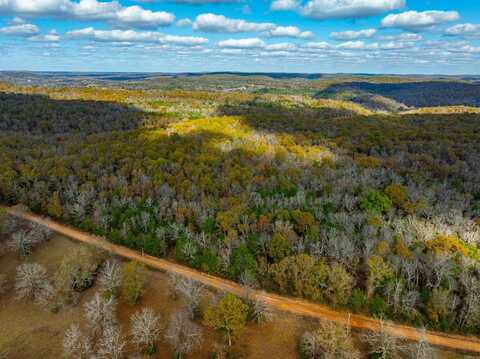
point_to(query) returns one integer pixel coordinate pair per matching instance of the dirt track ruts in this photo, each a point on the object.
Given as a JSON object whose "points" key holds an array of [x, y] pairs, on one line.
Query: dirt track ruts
{"points": [[281, 303]]}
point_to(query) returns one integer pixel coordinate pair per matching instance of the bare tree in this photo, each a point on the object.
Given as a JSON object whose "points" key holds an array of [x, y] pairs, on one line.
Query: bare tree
{"points": [[261, 312], [329, 341], [145, 329], [31, 279], [100, 313], [76, 345], [190, 290], [22, 243], [111, 344], [381, 343], [110, 278], [420, 349], [183, 334]]}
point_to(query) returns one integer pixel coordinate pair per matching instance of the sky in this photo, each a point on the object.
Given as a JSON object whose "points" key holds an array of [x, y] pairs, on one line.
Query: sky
{"points": [[307, 36]]}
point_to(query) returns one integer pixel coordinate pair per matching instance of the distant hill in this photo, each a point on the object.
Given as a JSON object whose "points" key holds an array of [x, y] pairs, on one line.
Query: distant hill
{"points": [[400, 96]]}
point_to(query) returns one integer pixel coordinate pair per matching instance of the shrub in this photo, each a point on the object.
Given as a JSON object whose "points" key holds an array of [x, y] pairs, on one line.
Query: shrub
{"points": [[134, 277]]}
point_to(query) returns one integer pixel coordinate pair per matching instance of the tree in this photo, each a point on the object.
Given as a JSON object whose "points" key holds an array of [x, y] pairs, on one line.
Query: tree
{"points": [[22, 243], [111, 344], [301, 276], [76, 273], [340, 285], [190, 290], [329, 341], [259, 310], [76, 345], [55, 208], [134, 277], [420, 349], [31, 280], [382, 344], [228, 316], [378, 271], [100, 313], [110, 278], [145, 329], [183, 334]]}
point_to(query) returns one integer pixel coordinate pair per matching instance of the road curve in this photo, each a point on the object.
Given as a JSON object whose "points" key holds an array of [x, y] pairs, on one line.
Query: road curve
{"points": [[281, 303]]}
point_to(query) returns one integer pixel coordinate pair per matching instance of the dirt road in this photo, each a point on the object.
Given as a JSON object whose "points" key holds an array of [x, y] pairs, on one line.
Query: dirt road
{"points": [[295, 306]]}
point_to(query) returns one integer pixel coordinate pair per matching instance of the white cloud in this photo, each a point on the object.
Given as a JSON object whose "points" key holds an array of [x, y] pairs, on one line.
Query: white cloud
{"points": [[282, 5], [219, 23], [464, 30], [352, 45], [131, 36], [353, 35], [253, 43], [340, 9], [199, 2], [408, 37], [111, 11], [52, 36], [322, 45], [284, 46], [289, 31], [20, 30], [414, 20], [184, 22], [136, 16]]}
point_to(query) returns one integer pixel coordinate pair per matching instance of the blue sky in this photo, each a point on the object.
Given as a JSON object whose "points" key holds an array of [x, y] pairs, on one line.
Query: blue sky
{"points": [[368, 36]]}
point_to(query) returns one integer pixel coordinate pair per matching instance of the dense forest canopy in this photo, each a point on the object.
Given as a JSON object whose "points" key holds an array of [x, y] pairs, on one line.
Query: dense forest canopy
{"points": [[323, 199]]}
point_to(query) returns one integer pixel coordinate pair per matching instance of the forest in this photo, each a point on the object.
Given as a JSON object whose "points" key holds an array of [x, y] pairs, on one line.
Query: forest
{"points": [[372, 212]]}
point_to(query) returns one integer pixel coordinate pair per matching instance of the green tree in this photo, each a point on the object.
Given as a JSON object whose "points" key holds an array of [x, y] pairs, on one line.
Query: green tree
{"points": [[228, 316], [340, 285], [134, 277]]}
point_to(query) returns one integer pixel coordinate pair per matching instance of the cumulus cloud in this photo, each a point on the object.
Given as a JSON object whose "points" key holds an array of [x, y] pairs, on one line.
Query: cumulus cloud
{"points": [[407, 37], [200, 2], [20, 30], [289, 31], [253, 43], [322, 45], [282, 5], [464, 30], [284, 46], [132, 36], [340, 9], [415, 21], [184, 22], [87, 10], [52, 36], [219, 23], [353, 35]]}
